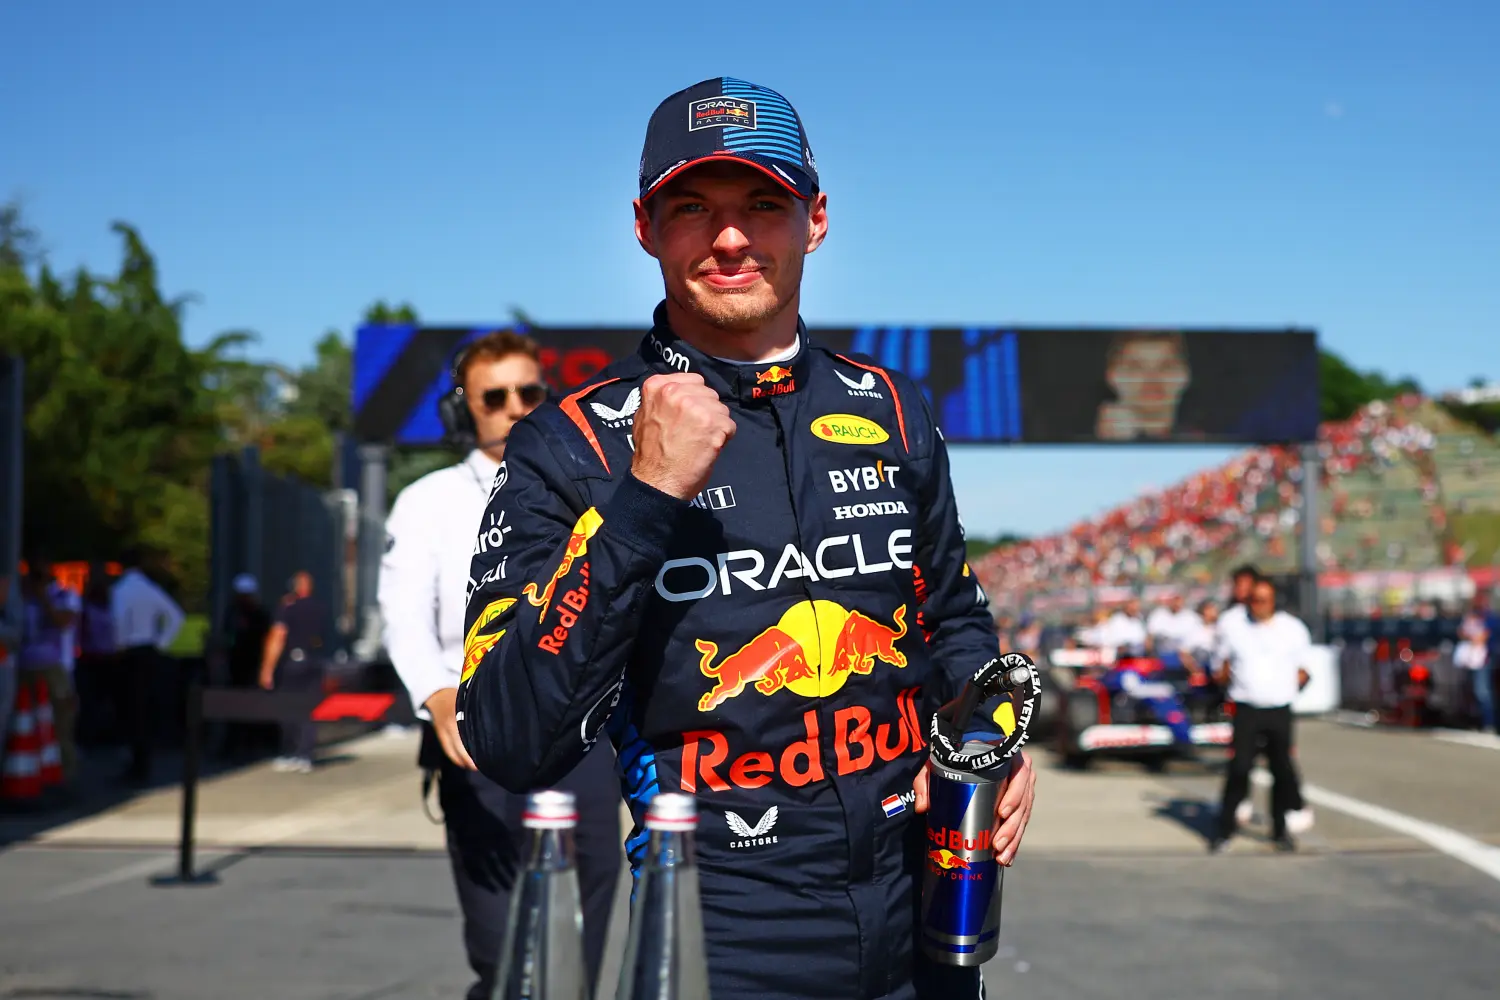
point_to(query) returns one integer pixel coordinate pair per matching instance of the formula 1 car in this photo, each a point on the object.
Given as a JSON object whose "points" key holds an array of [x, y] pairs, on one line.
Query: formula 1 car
{"points": [[1152, 709]]}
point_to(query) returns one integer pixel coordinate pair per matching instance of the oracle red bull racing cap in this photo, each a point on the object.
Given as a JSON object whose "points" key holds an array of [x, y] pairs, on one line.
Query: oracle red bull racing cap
{"points": [[728, 119]]}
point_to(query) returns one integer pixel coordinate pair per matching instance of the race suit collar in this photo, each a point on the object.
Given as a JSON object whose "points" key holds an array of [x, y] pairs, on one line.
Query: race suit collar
{"points": [[664, 351]]}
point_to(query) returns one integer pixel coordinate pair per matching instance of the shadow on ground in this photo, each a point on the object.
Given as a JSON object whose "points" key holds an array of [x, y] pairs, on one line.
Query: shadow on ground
{"points": [[1194, 814], [100, 785]]}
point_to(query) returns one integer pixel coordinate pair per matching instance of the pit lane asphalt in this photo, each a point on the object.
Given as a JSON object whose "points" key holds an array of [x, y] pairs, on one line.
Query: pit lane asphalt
{"points": [[1113, 893]]}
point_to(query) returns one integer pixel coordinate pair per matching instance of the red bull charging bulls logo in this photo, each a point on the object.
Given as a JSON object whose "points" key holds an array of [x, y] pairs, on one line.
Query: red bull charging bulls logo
{"points": [[811, 651]]}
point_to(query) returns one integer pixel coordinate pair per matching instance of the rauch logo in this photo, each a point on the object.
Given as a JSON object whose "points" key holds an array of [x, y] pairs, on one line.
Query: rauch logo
{"points": [[846, 428]]}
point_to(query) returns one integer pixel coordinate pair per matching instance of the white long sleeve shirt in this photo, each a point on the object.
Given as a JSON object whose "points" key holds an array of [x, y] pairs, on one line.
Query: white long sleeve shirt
{"points": [[1263, 659], [142, 613], [430, 538]]}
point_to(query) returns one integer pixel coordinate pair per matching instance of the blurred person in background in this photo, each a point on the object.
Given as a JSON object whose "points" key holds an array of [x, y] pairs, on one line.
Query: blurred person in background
{"points": [[1263, 670], [145, 621], [97, 674], [1472, 655], [246, 624], [1095, 634], [1197, 648], [1028, 636], [1125, 632], [293, 660], [1172, 626], [1241, 581], [424, 583], [47, 651]]}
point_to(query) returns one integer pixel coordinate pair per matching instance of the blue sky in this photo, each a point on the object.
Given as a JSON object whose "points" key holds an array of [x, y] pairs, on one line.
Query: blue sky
{"points": [[1319, 164]]}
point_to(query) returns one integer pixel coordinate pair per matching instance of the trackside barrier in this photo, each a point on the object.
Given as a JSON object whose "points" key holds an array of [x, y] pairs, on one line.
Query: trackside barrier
{"points": [[1373, 678], [243, 705]]}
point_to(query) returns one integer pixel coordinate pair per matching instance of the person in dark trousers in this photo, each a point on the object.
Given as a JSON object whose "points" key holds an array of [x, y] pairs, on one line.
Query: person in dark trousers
{"points": [[293, 660], [1263, 670], [146, 621], [98, 669], [424, 580], [736, 556], [247, 624]]}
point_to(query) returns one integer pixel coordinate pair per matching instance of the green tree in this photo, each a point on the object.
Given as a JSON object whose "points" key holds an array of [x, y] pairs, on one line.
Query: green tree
{"points": [[121, 420], [1344, 389]]}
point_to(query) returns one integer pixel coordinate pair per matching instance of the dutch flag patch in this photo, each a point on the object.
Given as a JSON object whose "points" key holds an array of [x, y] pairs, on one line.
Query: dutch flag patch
{"points": [[892, 806]]}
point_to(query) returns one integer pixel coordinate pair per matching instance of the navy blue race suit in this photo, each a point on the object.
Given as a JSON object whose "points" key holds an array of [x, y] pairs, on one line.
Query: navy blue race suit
{"points": [[773, 647]]}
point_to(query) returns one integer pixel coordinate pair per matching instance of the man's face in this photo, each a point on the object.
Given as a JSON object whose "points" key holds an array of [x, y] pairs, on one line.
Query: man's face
{"points": [[1262, 601], [1133, 609], [493, 389], [1242, 584], [1210, 613], [1174, 603], [731, 243], [1149, 373]]}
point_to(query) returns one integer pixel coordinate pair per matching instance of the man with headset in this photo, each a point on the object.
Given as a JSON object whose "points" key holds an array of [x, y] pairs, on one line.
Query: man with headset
{"points": [[424, 584]]}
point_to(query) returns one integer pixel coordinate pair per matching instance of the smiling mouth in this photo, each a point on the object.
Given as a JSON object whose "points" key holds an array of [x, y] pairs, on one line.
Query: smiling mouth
{"points": [[730, 279]]}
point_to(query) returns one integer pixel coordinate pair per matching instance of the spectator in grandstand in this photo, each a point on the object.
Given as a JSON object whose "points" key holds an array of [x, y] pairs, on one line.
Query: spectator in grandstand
{"points": [[1264, 663], [295, 649], [145, 621], [51, 623], [1472, 654]]}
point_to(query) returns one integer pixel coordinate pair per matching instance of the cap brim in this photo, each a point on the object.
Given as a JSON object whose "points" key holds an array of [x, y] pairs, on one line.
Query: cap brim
{"points": [[727, 158]]}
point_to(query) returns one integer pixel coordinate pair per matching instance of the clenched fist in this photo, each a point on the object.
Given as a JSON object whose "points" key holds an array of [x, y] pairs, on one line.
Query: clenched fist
{"points": [[679, 431]]}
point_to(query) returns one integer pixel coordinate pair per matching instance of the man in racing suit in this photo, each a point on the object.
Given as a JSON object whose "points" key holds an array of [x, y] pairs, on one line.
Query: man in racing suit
{"points": [[739, 555]]}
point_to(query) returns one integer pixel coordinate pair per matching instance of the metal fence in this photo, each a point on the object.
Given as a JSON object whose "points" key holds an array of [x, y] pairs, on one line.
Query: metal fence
{"points": [[272, 526]]}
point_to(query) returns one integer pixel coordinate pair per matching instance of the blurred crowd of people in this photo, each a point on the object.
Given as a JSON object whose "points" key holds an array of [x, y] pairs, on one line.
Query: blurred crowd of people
{"points": [[94, 652], [94, 648], [1158, 536], [1193, 635]]}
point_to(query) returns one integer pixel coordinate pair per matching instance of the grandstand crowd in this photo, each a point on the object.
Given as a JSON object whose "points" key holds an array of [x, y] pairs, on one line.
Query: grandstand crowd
{"points": [[1383, 506]]}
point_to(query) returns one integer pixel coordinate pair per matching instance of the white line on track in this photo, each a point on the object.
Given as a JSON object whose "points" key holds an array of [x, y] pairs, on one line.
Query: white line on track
{"points": [[1468, 737], [1457, 846], [150, 866]]}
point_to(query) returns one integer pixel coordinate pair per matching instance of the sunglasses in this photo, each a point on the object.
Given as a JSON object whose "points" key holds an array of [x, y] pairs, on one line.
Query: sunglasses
{"points": [[530, 395]]}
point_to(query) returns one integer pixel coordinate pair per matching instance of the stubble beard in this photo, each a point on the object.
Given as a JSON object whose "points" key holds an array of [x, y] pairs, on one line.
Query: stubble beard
{"points": [[737, 311]]}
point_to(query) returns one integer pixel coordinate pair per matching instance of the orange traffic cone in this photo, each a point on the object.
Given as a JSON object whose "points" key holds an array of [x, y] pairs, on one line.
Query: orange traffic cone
{"points": [[51, 750], [21, 778]]}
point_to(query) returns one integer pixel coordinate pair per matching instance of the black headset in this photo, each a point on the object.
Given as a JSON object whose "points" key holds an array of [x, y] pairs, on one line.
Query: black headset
{"points": [[459, 431]]}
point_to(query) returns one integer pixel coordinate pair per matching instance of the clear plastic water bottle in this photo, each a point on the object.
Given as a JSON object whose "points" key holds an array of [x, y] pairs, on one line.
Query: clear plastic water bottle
{"points": [[542, 958], [664, 957]]}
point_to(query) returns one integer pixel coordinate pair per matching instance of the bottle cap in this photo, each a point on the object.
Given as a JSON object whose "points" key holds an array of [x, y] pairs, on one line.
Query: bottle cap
{"points": [[672, 811], [1014, 675], [550, 810]]}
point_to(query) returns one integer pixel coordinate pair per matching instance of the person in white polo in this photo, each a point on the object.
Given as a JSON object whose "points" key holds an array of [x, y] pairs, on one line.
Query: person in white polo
{"points": [[1264, 666]]}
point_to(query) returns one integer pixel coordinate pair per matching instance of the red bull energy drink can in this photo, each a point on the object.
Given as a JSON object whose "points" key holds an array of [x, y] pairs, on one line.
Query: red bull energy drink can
{"points": [[962, 881]]}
